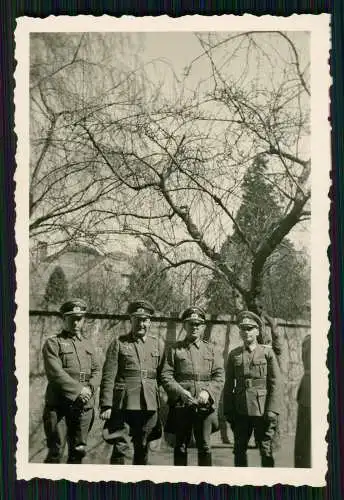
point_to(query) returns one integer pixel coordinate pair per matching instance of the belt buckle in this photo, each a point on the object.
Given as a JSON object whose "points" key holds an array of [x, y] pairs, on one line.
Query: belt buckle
{"points": [[248, 383], [82, 377], [144, 373]]}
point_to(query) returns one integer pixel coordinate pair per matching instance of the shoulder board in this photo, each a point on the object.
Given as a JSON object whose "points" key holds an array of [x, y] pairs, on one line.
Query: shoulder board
{"points": [[211, 345], [153, 336], [267, 349], [122, 338], [61, 335], [236, 350], [53, 337]]}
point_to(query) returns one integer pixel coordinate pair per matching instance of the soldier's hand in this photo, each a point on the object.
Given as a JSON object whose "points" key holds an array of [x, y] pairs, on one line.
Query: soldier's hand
{"points": [[105, 414], [85, 394], [271, 416], [187, 398], [203, 397]]}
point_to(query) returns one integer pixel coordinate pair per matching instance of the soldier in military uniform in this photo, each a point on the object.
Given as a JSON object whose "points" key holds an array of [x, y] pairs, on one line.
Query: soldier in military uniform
{"points": [[129, 396], [270, 335], [272, 338], [252, 393], [73, 376], [193, 377], [302, 450]]}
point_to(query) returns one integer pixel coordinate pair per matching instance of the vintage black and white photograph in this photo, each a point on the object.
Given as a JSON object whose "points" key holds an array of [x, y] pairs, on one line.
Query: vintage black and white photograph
{"points": [[172, 228]]}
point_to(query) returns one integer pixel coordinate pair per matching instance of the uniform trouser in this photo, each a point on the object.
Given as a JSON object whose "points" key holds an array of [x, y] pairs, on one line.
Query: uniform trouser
{"points": [[264, 430], [65, 423], [187, 419], [137, 425], [223, 423], [302, 451]]}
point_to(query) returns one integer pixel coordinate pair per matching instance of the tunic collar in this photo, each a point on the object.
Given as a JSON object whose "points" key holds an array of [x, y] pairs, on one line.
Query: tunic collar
{"points": [[137, 339], [72, 337], [251, 347], [196, 342]]}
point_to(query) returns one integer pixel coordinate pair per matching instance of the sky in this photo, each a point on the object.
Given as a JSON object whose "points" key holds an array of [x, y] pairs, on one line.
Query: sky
{"points": [[174, 51], [165, 52]]}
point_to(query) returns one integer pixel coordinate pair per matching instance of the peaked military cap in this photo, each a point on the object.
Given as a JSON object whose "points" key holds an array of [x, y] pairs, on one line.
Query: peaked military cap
{"points": [[141, 308], [249, 318], [75, 307], [193, 314]]}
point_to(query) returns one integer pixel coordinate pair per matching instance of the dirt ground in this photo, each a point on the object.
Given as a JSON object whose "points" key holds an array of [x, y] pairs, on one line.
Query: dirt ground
{"points": [[163, 454], [223, 456]]}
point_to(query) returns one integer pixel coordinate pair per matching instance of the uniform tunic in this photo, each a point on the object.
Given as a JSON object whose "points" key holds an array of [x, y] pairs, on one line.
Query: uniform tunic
{"points": [[130, 373], [252, 388], [272, 336], [129, 387], [70, 364], [192, 366]]}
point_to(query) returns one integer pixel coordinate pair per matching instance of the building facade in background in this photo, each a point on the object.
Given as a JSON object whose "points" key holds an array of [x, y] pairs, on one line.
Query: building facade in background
{"points": [[97, 277]]}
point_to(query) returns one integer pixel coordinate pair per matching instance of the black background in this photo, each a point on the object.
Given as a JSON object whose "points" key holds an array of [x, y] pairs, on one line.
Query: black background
{"points": [[10, 488]]}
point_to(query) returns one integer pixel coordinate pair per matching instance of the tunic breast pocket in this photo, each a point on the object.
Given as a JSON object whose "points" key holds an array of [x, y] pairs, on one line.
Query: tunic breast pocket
{"points": [[88, 359], [208, 362], [183, 363], [259, 368], [128, 358], [238, 367], [67, 355], [155, 356]]}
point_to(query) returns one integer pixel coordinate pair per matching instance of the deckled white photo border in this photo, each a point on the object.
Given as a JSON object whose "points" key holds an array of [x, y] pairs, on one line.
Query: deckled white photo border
{"points": [[319, 26]]}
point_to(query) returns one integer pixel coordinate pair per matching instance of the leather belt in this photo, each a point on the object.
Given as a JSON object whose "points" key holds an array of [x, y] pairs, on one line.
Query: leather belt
{"points": [[252, 382], [196, 377], [139, 373], [80, 376], [84, 377]]}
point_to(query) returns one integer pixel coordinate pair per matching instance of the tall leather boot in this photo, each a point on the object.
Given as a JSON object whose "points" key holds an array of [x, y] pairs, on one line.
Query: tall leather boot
{"points": [[74, 459], [54, 456], [205, 459], [267, 461], [117, 459], [76, 454], [240, 460], [180, 457], [140, 456]]}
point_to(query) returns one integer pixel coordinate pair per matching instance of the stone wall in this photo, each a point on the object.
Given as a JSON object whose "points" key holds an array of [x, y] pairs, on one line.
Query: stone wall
{"points": [[219, 330]]}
